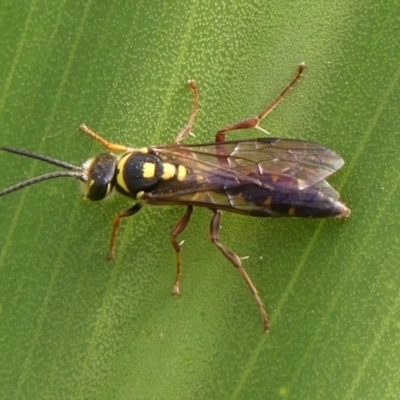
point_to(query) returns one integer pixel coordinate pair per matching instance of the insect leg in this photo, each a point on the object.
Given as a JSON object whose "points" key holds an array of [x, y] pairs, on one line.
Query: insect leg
{"points": [[254, 122], [236, 261], [179, 228], [186, 130], [116, 222], [101, 140]]}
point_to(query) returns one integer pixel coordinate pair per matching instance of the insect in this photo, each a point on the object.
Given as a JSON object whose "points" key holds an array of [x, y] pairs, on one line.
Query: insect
{"points": [[261, 177]]}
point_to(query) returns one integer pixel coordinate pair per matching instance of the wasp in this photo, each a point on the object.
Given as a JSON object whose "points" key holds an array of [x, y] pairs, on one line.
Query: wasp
{"points": [[263, 177]]}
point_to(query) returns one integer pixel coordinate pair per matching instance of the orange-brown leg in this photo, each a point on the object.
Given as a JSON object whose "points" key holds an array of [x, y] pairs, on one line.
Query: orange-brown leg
{"points": [[179, 228], [237, 263], [101, 140], [254, 122], [116, 222], [187, 129]]}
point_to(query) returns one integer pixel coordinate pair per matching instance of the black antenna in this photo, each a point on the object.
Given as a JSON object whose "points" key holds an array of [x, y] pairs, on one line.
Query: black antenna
{"points": [[75, 172], [40, 157]]}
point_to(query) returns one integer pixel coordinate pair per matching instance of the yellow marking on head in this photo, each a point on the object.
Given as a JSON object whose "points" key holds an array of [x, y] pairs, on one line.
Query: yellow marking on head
{"points": [[291, 212], [109, 188], [120, 175], [86, 188], [268, 202], [139, 195], [149, 170], [274, 177], [169, 171], [143, 150], [181, 173]]}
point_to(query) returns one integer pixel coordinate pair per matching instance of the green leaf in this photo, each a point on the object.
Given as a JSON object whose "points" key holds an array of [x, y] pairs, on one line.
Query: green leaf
{"points": [[74, 326]]}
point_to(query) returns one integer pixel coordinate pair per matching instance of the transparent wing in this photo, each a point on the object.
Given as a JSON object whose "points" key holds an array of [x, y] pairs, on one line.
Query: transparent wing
{"points": [[251, 160]]}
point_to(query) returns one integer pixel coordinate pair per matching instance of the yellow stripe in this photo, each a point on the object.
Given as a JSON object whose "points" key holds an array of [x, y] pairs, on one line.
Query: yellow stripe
{"points": [[291, 212], [181, 173], [120, 175], [169, 171], [268, 202], [149, 170], [274, 177]]}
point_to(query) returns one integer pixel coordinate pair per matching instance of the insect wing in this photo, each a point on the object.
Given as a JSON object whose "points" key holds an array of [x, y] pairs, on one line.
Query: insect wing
{"points": [[239, 176], [306, 161], [249, 160]]}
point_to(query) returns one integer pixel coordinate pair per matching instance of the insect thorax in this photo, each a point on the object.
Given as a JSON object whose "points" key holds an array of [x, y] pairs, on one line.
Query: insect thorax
{"points": [[142, 172]]}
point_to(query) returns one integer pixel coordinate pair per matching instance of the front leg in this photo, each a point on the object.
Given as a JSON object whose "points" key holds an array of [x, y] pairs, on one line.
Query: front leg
{"points": [[104, 142], [116, 222]]}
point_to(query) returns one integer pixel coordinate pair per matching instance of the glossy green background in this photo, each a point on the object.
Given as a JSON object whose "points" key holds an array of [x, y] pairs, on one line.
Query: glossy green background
{"points": [[74, 326]]}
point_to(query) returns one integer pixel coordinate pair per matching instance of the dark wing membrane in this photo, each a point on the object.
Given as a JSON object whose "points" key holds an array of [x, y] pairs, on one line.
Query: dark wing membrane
{"points": [[258, 201], [307, 162], [262, 176], [304, 161]]}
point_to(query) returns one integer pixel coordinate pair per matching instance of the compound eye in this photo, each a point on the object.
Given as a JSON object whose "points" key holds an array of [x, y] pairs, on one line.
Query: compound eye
{"points": [[98, 190], [100, 176]]}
